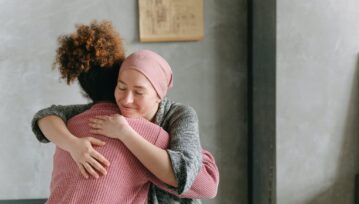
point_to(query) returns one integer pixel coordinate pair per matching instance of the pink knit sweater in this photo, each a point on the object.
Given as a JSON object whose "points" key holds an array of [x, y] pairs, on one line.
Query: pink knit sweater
{"points": [[127, 180]]}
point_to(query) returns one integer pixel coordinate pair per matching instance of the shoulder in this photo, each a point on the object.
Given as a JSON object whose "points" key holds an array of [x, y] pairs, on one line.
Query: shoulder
{"points": [[175, 111], [183, 110]]}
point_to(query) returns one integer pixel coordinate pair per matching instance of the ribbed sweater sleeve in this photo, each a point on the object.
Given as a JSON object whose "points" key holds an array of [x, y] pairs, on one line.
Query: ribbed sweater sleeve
{"points": [[64, 112]]}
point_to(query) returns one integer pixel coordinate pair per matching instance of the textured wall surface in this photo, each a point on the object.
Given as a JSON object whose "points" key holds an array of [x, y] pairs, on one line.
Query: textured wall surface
{"points": [[210, 75], [317, 101]]}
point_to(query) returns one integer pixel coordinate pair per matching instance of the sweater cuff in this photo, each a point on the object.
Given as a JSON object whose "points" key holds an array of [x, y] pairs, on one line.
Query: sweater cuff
{"points": [[182, 171]]}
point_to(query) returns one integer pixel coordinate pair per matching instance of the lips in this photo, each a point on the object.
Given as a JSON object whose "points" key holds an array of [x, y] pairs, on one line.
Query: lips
{"points": [[126, 110], [127, 107]]}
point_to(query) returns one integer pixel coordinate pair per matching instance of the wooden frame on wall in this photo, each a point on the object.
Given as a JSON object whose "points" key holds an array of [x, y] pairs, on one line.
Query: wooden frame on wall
{"points": [[170, 20]]}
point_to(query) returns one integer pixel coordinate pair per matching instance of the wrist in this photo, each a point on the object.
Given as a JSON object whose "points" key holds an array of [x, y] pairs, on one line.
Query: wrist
{"points": [[126, 135], [68, 143]]}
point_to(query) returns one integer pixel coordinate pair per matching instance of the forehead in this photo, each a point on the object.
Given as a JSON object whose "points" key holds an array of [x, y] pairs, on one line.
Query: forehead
{"points": [[134, 78]]}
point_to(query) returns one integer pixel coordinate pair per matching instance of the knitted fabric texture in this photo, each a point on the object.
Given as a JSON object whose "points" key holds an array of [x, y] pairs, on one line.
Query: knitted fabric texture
{"points": [[127, 180], [205, 184]]}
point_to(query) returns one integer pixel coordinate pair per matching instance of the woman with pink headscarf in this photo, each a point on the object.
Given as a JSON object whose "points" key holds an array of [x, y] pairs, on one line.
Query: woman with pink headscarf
{"points": [[143, 82]]}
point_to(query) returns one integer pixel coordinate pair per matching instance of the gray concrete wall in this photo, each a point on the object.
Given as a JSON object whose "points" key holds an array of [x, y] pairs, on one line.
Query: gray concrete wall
{"points": [[317, 101], [210, 75]]}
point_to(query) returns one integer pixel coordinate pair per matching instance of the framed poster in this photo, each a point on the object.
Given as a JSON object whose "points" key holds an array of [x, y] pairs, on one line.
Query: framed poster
{"points": [[170, 20]]}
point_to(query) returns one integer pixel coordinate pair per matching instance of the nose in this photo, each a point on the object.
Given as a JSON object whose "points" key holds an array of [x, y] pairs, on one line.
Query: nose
{"points": [[128, 98]]}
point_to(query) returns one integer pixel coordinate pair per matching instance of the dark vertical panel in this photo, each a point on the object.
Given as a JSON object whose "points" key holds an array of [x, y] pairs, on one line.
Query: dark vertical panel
{"points": [[250, 98], [263, 125], [356, 190]]}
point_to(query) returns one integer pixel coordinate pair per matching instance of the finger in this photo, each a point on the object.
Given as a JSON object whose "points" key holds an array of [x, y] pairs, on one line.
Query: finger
{"points": [[95, 125], [96, 121], [95, 141], [102, 117], [99, 157], [115, 115], [95, 164], [95, 131], [83, 171], [90, 170]]}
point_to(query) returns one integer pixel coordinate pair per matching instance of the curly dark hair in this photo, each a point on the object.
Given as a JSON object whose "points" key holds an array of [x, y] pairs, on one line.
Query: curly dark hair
{"points": [[93, 55]]}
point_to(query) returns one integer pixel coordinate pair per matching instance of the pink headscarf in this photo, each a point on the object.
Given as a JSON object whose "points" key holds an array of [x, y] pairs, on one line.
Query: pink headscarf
{"points": [[154, 67]]}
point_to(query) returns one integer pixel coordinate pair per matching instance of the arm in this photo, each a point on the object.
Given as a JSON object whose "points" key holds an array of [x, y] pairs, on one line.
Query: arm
{"points": [[62, 112], [205, 185], [177, 166], [48, 125], [185, 148], [154, 158]]}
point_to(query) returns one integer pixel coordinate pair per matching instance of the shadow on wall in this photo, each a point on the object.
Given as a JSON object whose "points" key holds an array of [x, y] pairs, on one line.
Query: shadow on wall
{"points": [[342, 191]]}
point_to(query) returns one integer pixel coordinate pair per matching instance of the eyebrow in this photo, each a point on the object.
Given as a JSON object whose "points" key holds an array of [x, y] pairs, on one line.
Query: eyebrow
{"points": [[137, 86]]}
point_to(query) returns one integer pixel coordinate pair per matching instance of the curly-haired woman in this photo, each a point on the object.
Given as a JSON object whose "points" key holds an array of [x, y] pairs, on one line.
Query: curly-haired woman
{"points": [[92, 55]]}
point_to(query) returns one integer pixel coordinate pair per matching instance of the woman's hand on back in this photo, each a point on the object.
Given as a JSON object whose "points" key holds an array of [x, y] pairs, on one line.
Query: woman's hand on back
{"points": [[114, 126], [81, 150], [87, 158]]}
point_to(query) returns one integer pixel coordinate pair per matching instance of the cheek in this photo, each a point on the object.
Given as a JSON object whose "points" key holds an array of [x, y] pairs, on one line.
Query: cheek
{"points": [[115, 92], [140, 103], [118, 94], [145, 104]]}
